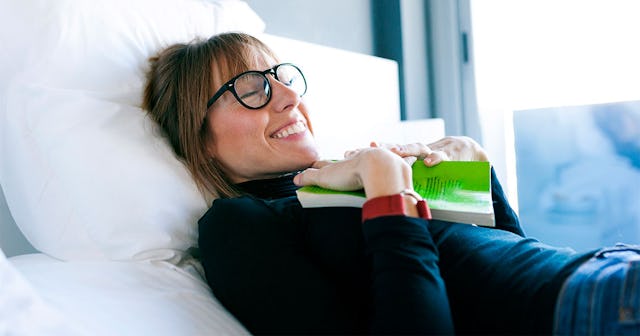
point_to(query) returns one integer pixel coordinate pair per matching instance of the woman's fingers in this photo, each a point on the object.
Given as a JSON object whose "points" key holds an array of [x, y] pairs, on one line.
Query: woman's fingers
{"points": [[455, 148], [305, 178], [377, 168], [322, 163], [338, 175], [351, 153], [417, 149], [443, 150], [460, 148], [435, 157]]}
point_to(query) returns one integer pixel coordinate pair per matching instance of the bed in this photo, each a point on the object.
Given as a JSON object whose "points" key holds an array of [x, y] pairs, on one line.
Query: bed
{"points": [[97, 215]]}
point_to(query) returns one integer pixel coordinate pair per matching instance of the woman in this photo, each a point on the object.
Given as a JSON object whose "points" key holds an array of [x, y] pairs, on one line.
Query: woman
{"points": [[233, 114]]}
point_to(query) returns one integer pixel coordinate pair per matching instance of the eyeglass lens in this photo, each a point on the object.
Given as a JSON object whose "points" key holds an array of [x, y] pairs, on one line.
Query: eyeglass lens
{"points": [[254, 90]]}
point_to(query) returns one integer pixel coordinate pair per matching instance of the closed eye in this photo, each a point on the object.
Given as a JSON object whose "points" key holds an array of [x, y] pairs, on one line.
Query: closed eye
{"points": [[249, 94]]}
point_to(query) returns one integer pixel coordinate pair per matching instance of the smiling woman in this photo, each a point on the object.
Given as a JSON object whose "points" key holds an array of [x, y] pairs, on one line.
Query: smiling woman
{"points": [[266, 142], [280, 268], [179, 97]]}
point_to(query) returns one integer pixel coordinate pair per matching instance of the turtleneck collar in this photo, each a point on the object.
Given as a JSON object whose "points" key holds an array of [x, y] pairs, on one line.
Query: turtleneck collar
{"points": [[278, 187]]}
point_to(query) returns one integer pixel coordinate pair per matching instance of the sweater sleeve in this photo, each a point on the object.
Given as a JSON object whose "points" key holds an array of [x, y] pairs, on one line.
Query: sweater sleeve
{"points": [[257, 268], [506, 218], [408, 293]]}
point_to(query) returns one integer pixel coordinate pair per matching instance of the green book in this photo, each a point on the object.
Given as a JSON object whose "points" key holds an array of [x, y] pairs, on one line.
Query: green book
{"points": [[456, 191]]}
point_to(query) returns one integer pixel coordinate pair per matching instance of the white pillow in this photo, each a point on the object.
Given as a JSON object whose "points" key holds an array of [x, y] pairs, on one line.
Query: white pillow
{"points": [[85, 173]]}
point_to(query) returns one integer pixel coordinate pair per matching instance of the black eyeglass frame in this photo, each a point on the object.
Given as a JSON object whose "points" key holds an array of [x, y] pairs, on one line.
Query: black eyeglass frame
{"points": [[230, 85]]}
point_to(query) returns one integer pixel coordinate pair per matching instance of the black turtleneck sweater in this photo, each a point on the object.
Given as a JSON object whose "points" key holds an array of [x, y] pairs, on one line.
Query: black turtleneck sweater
{"points": [[282, 269]]}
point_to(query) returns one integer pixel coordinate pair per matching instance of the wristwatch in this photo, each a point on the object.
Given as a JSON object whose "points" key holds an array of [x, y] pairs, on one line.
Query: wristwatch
{"points": [[394, 205]]}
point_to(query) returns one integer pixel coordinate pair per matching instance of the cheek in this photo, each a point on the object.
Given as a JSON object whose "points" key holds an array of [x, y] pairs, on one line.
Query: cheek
{"points": [[233, 135]]}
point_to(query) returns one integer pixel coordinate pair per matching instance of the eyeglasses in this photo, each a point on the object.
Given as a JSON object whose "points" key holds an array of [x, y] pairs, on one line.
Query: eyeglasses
{"points": [[253, 90]]}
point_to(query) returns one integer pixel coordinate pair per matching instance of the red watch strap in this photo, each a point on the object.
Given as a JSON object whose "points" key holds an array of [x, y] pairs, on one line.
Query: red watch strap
{"points": [[393, 205], [423, 209]]}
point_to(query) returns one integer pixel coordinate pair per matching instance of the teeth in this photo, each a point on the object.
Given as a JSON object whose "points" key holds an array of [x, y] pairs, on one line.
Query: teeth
{"points": [[298, 127]]}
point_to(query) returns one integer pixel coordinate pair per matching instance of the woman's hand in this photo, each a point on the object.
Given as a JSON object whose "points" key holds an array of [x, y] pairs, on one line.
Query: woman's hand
{"points": [[450, 148], [460, 148], [376, 170]]}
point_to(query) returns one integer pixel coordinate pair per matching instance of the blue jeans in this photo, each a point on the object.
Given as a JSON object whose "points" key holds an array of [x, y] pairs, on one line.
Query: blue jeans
{"points": [[602, 297]]}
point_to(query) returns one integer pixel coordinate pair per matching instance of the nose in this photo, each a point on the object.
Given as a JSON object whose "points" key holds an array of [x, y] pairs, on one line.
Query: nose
{"points": [[283, 98]]}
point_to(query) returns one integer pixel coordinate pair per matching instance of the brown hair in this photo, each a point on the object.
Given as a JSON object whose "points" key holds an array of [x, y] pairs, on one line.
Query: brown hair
{"points": [[180, 81]]}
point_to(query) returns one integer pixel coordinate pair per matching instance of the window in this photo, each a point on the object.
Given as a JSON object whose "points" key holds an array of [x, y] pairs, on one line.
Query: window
{"points": [[534, 54], [432, 43]]}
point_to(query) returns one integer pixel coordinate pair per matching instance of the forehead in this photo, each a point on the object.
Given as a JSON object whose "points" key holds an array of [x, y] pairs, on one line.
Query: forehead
{"points": [[261, 61], [251, 58]]}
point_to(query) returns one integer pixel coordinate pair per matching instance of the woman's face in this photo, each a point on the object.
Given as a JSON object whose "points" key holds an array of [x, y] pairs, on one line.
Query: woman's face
{"points": [[263, 143]]}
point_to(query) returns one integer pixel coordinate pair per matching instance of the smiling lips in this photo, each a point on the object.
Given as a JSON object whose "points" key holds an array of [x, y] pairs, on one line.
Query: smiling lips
{"points": [[295, 128]]}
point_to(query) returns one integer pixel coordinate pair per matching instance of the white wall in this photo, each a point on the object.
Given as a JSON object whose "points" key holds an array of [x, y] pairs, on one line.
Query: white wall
{"points": [[335, 23]]}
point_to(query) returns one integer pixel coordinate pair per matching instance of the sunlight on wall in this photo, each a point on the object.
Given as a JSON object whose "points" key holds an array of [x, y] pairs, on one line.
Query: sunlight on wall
{"points": [[543, 53]]}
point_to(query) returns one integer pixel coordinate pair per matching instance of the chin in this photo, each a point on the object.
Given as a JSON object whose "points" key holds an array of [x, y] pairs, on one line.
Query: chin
{"points": [[305, 163], [308, 154]]}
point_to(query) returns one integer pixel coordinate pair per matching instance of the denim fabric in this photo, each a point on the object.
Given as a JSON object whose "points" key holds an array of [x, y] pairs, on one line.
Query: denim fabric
{"points": [[602, 297]]}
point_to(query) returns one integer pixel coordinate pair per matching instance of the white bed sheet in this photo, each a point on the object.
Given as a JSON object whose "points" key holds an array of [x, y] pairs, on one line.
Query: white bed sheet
{"points": [[124, 298], [23, 312]]}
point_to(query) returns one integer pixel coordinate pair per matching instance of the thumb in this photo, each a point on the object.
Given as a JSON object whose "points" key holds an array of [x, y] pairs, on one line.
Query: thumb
{"points": [[306, 177]]}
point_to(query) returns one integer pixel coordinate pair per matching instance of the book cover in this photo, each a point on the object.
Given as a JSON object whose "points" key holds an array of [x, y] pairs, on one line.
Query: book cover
{"points": [[456, 191]]}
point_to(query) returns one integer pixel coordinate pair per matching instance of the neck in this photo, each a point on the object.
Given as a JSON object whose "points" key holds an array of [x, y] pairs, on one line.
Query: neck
{"points": [[270, 188]]}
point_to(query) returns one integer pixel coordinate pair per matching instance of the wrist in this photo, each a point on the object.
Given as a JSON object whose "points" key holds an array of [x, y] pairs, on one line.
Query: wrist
{"points": [[386, 177], [405, 203]]}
